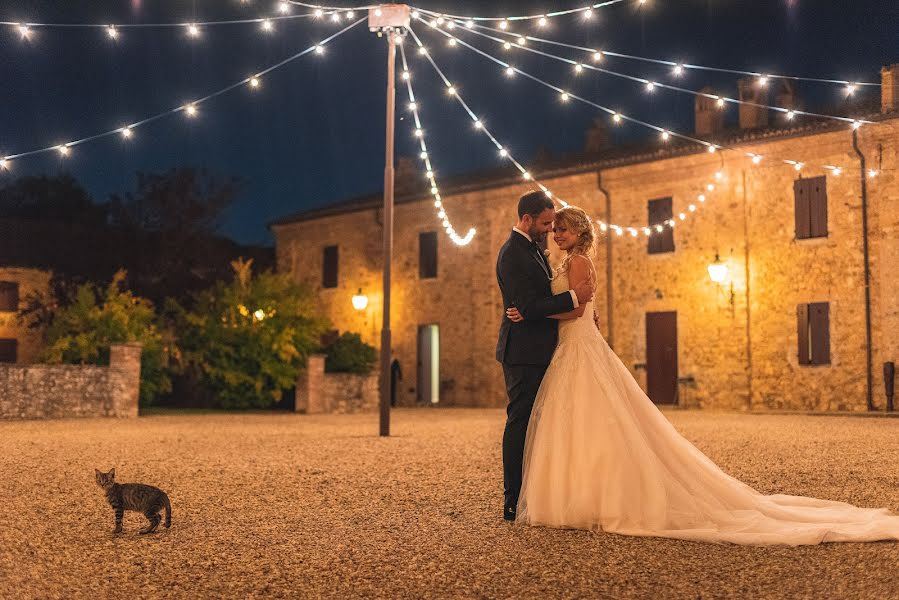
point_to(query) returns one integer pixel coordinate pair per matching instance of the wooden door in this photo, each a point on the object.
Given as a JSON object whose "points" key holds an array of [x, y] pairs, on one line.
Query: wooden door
{"points": [[661, 357]]}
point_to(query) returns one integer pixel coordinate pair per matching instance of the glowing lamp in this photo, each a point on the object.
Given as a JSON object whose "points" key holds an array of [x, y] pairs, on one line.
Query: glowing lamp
{"points": [[718, 270], [360, 301]]}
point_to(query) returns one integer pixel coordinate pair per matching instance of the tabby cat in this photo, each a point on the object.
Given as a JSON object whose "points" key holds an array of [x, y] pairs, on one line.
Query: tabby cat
{"points": [[142, 498]]}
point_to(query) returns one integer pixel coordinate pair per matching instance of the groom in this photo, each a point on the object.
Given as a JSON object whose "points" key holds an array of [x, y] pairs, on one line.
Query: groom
{"points": [[525, 348]]}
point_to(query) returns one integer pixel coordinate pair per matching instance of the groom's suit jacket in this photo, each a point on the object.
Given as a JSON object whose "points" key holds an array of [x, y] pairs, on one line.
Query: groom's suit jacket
{"points": [[523, 274]]}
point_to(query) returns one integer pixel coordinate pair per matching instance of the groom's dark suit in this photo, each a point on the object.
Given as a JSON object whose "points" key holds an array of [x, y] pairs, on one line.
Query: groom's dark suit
{"points": [[524, 348]]}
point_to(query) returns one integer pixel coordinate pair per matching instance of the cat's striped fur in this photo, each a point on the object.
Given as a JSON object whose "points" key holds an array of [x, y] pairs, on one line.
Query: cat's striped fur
{"points": [[138, 497]]}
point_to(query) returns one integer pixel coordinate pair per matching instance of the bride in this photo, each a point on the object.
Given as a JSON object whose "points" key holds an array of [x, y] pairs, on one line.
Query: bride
{"points": [[599, 455]]}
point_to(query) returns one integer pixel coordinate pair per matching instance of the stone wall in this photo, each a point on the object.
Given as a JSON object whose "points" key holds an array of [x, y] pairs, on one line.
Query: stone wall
{"points": [[335, 393], [739, 349], [64, 391]]}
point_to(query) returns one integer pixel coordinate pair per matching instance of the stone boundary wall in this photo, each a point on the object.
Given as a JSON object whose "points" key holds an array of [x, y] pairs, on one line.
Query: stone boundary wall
{"points": [[335, 393], [65, 391]]}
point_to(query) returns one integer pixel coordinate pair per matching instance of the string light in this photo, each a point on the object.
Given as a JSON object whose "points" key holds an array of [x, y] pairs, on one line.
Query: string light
{"points": [[762, 77], [193, 30], [711, 147], [429, 173], [254, 82], [267, 25], [283, 7], [24, 31], [536, 17], [112, 32], [190, 109], [649, 85]]}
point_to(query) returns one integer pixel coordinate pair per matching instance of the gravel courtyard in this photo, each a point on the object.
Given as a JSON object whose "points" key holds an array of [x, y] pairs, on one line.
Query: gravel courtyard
{"points": [[296, 506]]}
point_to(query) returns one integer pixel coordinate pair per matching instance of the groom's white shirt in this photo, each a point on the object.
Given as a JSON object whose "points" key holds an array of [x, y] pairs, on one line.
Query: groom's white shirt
{"points": [[528, 238]]}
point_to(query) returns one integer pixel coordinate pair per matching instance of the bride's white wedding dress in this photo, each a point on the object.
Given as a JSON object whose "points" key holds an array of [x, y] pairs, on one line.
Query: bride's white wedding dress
{"points": [[599, 455]]}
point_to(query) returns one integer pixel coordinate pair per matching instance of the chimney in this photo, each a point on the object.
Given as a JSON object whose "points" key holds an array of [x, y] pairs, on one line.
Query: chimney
{"points": [[597, 138], [709, 118], [889, 88], [753, 117], [786, 97]]}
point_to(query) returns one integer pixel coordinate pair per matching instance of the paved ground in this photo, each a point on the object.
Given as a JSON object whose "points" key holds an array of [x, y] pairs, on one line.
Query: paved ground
{"points": [[292, 506]]}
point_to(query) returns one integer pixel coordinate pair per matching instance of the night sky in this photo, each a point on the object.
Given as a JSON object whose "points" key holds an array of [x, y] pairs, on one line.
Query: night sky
{"points": [[313, 133]]}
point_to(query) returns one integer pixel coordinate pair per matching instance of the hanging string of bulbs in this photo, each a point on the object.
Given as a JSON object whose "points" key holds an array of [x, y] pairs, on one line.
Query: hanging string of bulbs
{"points": [[419, 133], [665, 134], [190, 109], [659, 228]]}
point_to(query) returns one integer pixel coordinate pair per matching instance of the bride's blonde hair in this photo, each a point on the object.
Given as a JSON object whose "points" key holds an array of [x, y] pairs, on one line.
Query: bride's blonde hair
{"points": [[578, 222]]}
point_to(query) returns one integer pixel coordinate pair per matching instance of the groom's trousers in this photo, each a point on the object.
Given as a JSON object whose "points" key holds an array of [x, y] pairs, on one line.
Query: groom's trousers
{"points": [[522, 383]]}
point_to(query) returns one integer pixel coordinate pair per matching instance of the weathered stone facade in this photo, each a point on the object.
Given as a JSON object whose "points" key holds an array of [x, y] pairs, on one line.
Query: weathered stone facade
{"points": [[334, 393], [65, 391], [736, 342], [28, 341]]}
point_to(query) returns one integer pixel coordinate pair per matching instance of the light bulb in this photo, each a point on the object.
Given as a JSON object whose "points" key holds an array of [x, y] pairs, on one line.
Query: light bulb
{"points": [[283, 7], [790, 114], [193, 30], [319, 13], [837, 171], [470, 24], [419, 132], [850, 89], [112, 32], [565, 96], [451, 90], [504, 25], [254, 82], [63, 150], [451, 25], [319, 49], [616, 117], [665, 135], [478, 124], [335, 17], [872, 173], [350, 14], [701, 198], [126, 132], [522, 41], [720, 102], [578, 68], [588, 14], [406, 75], [378, 12], [510, 71], [682, 216], [24, 31], [712, 149], [542, 22], [422, 50], [4, 163], [507, 46], [267, 25], [451, 42], [650, 86], [503, 152], [710, 187], [191, 110], [798, 166], [597, 56], [692, 208], [763, 80], [423, 155], [756, 159], [526, 176], [679, 70], [856, 124]]}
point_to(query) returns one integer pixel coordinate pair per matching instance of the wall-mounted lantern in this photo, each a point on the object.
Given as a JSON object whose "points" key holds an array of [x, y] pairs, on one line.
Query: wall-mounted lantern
{"points": [[360, 301]]}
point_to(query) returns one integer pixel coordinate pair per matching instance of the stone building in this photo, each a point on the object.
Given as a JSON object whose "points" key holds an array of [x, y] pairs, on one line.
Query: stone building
{"points": [[18, 343], [804, 318]]}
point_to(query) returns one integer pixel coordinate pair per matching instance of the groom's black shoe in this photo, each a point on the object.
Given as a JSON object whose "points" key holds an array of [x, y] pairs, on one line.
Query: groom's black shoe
{"points": [[509, 513]]}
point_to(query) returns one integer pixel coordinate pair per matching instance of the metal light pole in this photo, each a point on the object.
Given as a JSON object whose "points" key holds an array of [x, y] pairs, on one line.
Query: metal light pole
{"points": [[389, 19]]}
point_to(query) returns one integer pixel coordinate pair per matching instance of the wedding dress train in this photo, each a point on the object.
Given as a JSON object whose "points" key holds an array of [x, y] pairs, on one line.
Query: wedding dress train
{"points": [[599, 455]]}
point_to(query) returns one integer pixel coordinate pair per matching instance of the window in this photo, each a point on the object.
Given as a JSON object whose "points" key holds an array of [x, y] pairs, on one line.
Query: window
{"points": [[811, 207], [9, 296], [427, 255], [814, 333], [659, 213], [8, 350], [329, 268]]}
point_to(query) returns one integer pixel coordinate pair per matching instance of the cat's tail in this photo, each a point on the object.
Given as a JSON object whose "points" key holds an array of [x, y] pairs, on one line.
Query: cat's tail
{"points": [[168, 511]]}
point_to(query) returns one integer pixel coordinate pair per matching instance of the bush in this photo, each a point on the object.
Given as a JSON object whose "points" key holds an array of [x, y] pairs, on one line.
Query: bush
{"points": [[246, 341], [349, 354], [81, 331]]}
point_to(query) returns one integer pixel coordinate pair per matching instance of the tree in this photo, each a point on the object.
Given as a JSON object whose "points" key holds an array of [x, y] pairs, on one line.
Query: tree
{"points": [[246, 341], [82, 331], [57, 198]]}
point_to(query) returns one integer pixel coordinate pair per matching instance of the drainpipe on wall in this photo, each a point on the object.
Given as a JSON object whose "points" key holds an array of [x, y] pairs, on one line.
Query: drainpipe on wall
{"points": [[610, 339], [869, 362], [746, 250]]}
